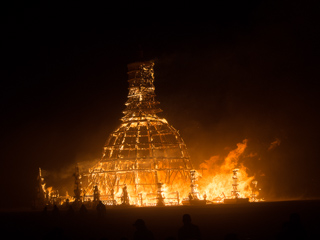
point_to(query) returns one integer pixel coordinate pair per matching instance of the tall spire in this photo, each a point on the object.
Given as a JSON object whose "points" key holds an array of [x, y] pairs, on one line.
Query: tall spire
{"points": [[141, 97]]}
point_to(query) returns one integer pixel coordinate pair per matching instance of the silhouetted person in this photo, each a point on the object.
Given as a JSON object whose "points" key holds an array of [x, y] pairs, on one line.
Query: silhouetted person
{"points": [[70, 212], [83, 210], [67, 203], [142, 233], [44, 212], [125, 196], [190, 197], [188, 230], [55, 212], [293, 229], [101, 210]]}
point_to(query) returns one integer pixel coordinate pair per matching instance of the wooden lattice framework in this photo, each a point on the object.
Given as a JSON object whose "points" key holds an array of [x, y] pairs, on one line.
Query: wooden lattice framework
{"points": [[144, 150]]}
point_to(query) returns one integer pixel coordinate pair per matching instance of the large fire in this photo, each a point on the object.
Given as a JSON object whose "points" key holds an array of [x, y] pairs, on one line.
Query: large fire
{"points": [[146, 163], [217, 180]]}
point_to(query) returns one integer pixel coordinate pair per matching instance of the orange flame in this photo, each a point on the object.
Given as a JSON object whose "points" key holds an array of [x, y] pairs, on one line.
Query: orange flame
{"points": [[216, 181]]}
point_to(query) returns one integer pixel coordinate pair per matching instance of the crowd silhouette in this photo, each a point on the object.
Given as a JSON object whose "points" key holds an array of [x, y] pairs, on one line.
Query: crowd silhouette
{"points": [[291, 229]]}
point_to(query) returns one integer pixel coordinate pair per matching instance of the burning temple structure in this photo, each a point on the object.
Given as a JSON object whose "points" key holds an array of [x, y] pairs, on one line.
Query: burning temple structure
{"points": [[145, 162], [145, 150]]}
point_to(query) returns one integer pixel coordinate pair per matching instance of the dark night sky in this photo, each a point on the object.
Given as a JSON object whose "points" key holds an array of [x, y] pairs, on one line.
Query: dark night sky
{"points": [[234, 72]]}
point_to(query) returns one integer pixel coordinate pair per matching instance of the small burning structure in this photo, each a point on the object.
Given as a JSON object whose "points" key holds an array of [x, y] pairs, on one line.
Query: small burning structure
{"points": [[235, 193], [194, 196]]}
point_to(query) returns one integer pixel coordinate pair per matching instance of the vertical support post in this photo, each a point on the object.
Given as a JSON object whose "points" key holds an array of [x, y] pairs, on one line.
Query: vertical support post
{"points": [[254, 189], [194, 192], [235, 192], [96, 194], [160, 197]]}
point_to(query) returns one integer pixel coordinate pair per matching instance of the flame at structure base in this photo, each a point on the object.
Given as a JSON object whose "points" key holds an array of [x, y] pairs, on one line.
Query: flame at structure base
{"points": [[145, 161]]}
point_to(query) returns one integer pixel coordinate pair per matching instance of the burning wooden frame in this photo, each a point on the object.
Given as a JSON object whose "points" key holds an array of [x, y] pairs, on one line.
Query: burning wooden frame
{"points": [[144, 150]]}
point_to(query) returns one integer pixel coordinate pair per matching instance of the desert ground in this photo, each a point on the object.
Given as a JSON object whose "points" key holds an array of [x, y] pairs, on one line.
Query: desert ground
{"points": [[262, 220]]}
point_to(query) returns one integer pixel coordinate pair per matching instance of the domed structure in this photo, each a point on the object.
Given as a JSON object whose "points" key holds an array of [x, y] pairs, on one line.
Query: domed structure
{"points": [[144, 150]]}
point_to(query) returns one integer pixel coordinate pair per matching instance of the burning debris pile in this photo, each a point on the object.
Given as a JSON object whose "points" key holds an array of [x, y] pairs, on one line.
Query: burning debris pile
{"points": [[145, 161]]}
